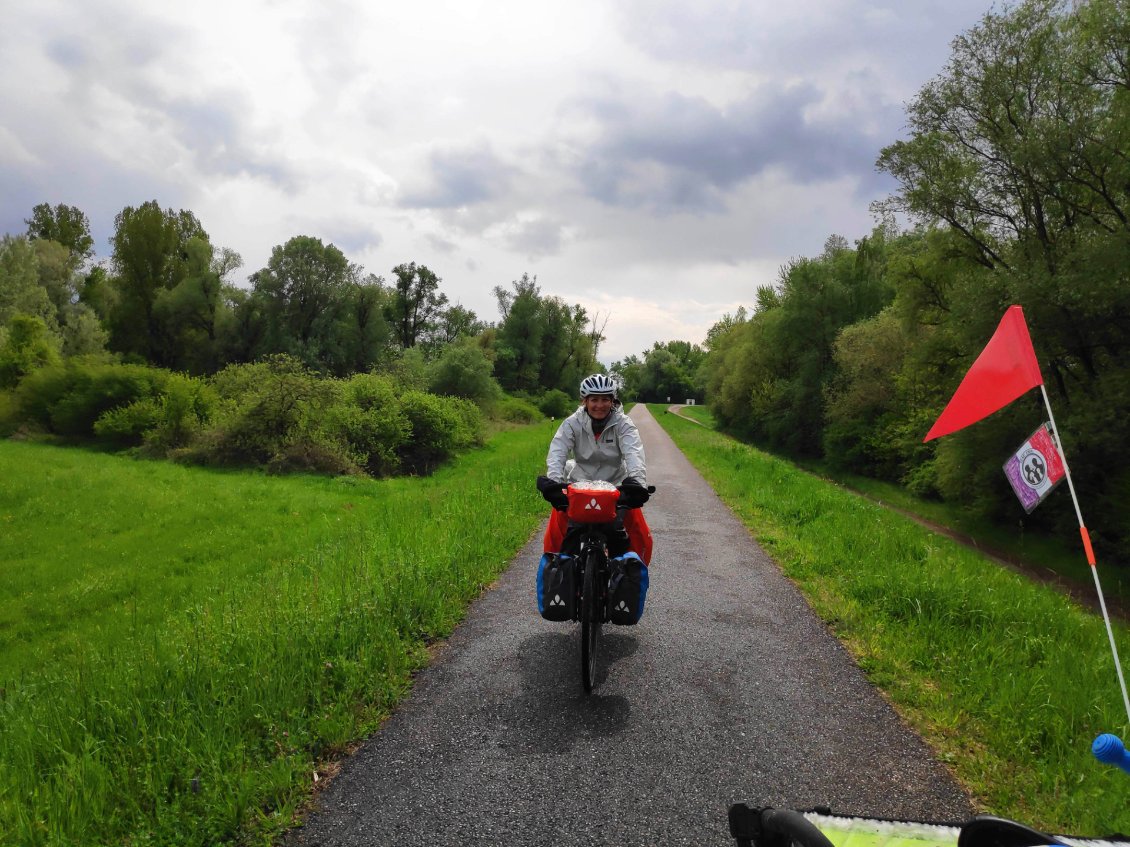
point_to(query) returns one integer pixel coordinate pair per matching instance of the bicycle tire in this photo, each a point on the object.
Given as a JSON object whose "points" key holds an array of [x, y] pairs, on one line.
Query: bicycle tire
{"points": [[590, 622]]}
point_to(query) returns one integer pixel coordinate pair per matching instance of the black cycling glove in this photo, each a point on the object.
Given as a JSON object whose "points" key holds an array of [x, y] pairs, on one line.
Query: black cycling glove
{"points": [[632, 494], [554, 492]]}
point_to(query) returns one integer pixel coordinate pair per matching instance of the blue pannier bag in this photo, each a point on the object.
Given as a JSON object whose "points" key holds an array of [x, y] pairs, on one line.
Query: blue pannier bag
{"points": [[557, 592], [627, 589]]}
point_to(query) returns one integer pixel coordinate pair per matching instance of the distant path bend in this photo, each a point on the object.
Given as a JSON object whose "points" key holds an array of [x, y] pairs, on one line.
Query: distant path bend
{"points": [[730, 689]]}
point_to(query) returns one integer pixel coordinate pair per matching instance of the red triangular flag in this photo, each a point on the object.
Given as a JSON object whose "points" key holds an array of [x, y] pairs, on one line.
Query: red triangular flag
{"points": [[1006, 368]]}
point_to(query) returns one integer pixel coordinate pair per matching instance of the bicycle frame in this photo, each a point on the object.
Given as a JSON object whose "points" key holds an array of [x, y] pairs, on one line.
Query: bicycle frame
{"points": [[593, 576], [596, 520]]}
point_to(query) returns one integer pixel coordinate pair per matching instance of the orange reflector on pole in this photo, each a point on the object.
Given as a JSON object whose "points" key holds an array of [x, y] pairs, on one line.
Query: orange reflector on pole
{"points": [[1087, 545]]}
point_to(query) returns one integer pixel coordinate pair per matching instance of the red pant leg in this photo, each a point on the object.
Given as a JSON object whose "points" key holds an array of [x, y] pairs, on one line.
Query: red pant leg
{"points": [[555, 532], [639, 534]]}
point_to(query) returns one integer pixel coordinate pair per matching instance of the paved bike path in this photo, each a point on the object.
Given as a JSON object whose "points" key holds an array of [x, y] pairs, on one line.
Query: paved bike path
{"points": [[730, 689]]}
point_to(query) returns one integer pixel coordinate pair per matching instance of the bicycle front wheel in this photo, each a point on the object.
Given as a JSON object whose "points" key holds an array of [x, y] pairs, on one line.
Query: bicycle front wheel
{"points": [[590, 621]]}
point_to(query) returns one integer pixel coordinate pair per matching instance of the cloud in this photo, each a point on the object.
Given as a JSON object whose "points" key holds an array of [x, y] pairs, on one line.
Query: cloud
{"points": [[531, 235], [612, 147], [671, 153], [810, 39], [460, 177], [352, 238]]}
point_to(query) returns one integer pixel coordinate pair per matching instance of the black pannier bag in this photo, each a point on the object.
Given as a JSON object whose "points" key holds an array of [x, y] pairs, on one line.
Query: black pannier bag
{"points": [[557, 589], [627, 589]]}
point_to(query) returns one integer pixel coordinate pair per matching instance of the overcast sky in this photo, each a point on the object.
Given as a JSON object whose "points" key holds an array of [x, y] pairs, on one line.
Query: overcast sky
{"points": [[652, 160]]}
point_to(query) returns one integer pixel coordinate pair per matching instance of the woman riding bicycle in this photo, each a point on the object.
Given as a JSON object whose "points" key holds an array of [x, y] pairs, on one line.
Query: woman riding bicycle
{"points": [[605, 445]]}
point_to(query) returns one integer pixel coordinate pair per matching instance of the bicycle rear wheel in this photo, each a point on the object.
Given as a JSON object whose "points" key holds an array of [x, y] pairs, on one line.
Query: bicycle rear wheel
{"points": [[590, 621]]}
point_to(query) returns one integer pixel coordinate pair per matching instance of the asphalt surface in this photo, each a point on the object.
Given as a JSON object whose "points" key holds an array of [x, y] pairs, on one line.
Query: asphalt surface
{"points": [[730, 689]]}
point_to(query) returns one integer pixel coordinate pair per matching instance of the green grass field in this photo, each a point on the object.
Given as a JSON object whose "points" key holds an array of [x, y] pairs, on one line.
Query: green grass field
{"points": [[1008, 680], [182, 648]]}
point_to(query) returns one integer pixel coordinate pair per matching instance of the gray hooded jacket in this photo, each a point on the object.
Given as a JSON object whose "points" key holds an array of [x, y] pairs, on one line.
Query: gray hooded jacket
{"points": [[618, 453]]}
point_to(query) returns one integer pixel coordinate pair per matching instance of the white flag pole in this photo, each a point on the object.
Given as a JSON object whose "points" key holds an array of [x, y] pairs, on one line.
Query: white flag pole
{"points": [[1087, 547]]}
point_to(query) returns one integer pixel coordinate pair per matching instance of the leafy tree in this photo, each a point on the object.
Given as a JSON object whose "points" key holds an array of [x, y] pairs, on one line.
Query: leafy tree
{"points": [[39, 278], [371, 422], [416, 305], [20, 290], [555, 403], [667, 370], [98, 291], [629, 372], [363, 335], [440, 427], [569, 344], [301, 299], [29, 345], [863, 400], [83, 334], [150, 255], [542, 342], [766, 376], [65, 225], [463, 370], [191, 311], [457, 322], [518, 344], [1019, 147], [275, 411], [722, 327], [57, 274], [409, 368]]}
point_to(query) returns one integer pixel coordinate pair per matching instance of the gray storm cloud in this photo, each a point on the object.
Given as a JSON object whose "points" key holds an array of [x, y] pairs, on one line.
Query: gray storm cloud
{"points": [[675, 153], [460, 177]]}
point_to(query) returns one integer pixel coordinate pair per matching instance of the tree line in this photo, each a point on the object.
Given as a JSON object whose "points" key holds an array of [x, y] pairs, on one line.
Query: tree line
{"points": [[166, 298], [1015, 179], [143, 350]]}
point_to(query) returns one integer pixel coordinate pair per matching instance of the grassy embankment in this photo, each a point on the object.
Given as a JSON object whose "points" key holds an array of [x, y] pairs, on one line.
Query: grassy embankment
{"points": [[180, 649], [1007, 679], [1061, 556]]}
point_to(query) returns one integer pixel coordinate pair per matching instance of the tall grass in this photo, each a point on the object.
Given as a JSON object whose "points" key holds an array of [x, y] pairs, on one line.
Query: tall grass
{"points": [[203, 718], [1008, 680]]}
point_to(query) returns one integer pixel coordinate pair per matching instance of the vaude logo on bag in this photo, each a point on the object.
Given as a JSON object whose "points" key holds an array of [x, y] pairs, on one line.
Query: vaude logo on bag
{"points": [[623, 607], [557, 601], [593, 505]]}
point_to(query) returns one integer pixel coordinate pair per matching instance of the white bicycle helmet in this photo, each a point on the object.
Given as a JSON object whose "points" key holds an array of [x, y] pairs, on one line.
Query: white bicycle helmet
{"points": [[599, 384]]}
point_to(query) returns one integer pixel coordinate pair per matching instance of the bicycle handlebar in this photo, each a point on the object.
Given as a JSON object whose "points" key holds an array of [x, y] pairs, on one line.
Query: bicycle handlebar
{"points": [[768, 827], [547, 487]]}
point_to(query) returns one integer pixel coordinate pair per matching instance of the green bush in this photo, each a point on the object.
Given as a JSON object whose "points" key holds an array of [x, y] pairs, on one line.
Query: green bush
{"points": [[370, 421], [268, 408], [27, 345], [440, 427], [513, 410], [312, 454], [472, 429], [237, 381], [9, 414], [126, 426], [68, 399], [274, 414], [555, 403], [463, 370], [186, 406]]}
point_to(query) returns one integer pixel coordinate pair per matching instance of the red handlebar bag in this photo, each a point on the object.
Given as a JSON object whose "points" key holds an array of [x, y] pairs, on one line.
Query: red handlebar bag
{"points": [[592, 502]]}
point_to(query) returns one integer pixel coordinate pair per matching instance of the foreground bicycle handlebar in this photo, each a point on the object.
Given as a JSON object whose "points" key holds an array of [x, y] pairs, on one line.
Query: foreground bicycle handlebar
{"points": [[768, 827]]}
